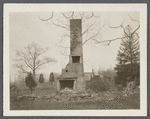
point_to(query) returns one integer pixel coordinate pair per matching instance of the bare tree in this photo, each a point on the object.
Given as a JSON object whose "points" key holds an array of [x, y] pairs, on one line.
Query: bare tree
{"points": [[91, 27], [30, 58], [125, 34], [91, 30]]}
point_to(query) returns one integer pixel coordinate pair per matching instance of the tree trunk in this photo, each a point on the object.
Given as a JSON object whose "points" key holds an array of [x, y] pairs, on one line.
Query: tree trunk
{"points": [[34, 75], [31, 90], [34, 68]]}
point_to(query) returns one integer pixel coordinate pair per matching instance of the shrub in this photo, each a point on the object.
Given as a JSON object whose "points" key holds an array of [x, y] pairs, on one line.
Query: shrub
{"points": [[30, 82], [138, 81], [98, 85], [13, 87]]}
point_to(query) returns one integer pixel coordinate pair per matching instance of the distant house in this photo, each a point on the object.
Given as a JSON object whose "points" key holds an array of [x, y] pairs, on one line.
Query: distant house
{"points": [[101, 76], [89, 75], [96, 74], [108, 78]]}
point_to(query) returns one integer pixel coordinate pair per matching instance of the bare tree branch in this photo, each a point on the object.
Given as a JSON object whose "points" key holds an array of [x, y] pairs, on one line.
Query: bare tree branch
{"points": [[28, 64], [63, 46], [29, 48], [21, 68], [45, 62], [96, 16], [82, 15], [125, 33], [23, 59], [65, 16], [133, 19], [88, 28], [90, 16], [60, 25], [119, 26], [93, 35], [63, 60], [69, 16], [63, 23], [48, 18], [135, 30], [64, 52], [109, 41], [72, 14], [62, 38]]}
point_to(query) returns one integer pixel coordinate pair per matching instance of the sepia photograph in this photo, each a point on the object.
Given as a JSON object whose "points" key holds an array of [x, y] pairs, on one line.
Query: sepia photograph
{"points": [[73, 59]]}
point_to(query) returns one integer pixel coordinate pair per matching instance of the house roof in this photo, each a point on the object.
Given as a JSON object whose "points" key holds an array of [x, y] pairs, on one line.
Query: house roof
{"points": [[87, 72]]}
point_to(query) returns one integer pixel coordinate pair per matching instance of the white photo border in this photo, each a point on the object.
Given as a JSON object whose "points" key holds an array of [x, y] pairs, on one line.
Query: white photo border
{"points": [[142, 8]]}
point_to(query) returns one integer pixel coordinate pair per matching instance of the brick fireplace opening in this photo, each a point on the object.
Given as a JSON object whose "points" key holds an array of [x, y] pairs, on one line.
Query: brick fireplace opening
{"points": [[66, 83]]}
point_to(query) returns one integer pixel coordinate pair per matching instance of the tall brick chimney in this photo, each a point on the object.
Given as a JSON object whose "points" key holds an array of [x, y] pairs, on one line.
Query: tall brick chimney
{"points": [[73, 74]]}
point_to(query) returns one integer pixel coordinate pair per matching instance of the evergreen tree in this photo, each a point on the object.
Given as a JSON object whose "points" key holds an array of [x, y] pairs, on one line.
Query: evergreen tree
{"points": [[128, 57], [51, 78], [30, 82], [41, 78]]}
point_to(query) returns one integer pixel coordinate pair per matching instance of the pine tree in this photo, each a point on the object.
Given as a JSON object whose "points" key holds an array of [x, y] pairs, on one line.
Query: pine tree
{"points": [[30, 82], [128, 57]]}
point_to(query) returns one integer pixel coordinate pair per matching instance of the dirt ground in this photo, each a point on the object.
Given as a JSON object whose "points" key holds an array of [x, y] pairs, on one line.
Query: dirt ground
{"points": [[130, 102]]}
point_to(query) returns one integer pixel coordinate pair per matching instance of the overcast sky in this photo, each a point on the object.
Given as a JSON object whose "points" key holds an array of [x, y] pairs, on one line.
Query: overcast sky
{"points": [[27, 27]]}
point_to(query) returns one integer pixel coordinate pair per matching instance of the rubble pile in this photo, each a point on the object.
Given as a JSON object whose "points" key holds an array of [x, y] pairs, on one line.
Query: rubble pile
{"points": [[69, 95], [125, 93], [22, 97]]}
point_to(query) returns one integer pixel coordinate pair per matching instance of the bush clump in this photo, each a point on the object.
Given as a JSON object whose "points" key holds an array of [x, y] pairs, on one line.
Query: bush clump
{"points": [[97, 85]]}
